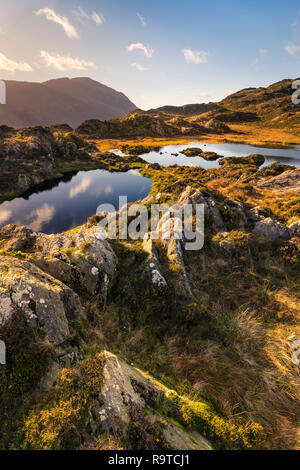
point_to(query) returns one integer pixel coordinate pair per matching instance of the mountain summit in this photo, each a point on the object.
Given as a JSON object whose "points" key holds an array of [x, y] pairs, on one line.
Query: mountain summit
{"points": [[61, 100]]}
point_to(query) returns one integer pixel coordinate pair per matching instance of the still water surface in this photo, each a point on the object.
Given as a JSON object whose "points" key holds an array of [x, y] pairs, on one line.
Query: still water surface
{"points": [[289, 156], [67, 203]]}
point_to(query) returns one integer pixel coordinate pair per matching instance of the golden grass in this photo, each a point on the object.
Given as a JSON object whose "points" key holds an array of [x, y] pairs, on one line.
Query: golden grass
{"points": [[250, 134]]}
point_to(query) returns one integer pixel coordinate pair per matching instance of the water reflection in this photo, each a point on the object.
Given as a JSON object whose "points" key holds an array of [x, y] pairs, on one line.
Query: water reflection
{"points": [[62, 205], [164, 157]]}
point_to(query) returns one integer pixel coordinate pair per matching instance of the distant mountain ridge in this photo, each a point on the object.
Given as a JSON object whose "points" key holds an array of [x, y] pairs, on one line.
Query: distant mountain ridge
{"points": [[271, 105], [86, 105], [187, 109], [61, 100]]}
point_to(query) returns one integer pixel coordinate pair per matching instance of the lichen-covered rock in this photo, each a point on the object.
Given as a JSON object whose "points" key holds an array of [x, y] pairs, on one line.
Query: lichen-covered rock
{"points": [[271, 229], [76, 258], [126, 394], [211, 211], [172, 238], [257, 213], [152, 265], [286, 181], [294, 229], [235, 243], [45, 303]]}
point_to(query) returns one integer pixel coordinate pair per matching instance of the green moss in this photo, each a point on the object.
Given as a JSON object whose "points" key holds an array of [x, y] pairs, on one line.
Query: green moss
{"points": [[200, 416], [175, 423], [194, 441], [238, 238], [74, 230], [58, 419], [27, 360]]}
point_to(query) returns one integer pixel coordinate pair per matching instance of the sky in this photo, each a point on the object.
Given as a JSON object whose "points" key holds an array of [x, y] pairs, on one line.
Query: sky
{"points": [[157, 52]]}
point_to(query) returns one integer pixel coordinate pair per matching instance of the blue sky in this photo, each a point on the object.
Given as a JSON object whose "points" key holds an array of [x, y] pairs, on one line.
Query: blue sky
{"points": [[156, 52]]}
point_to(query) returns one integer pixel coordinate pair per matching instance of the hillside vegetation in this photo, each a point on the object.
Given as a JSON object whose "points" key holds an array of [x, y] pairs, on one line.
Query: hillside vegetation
{"points": [[239, 113], [104, 354], [142, 344]]}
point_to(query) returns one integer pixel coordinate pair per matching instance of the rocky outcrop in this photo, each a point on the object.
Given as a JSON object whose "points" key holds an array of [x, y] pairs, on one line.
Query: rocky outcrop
{"points": [[61, 128], [294, 229], [35, 152], [134, 125], [211, 211], [255, 214], [126, 394], [272, 169], [45, 303], [152, 265], [172, 238], [218, 126], [286, 181], [47, 280], [76, 258], [269, 228], [235, 243]]}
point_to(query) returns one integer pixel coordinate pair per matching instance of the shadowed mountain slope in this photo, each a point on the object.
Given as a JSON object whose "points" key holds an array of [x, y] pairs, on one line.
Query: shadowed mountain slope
{"points": [[61, 100]]}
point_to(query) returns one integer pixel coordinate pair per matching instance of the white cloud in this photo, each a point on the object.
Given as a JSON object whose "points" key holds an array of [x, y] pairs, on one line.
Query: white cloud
{"points": [[5, 215], [38, 217], [80, 188], [146, 50], [109, 189], [196, 57], [138, 67], [63, 21], [203, 96], [12, 66], [65, 63], [98, 18], [292, 48], [263, 51], [142, 19]]}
